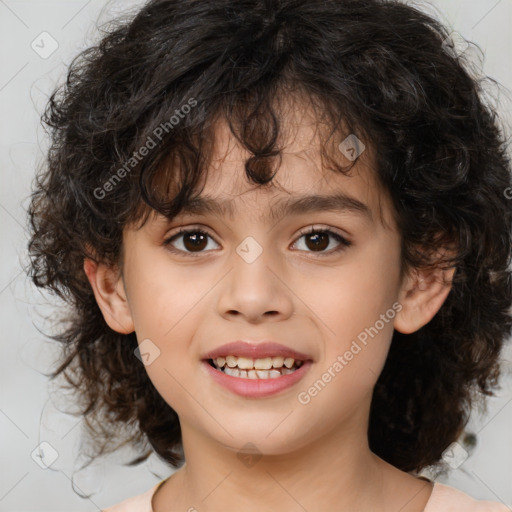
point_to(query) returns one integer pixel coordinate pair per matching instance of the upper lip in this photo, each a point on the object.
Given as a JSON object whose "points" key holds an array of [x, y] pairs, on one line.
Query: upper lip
{"points": [[256, 350]]}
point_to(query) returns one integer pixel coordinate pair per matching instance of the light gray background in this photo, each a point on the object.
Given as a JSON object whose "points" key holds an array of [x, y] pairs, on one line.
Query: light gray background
{"points": [[28, 413]]}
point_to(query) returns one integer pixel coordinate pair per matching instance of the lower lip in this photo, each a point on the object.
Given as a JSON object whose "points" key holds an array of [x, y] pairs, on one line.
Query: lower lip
{"points": [[257, 388]]}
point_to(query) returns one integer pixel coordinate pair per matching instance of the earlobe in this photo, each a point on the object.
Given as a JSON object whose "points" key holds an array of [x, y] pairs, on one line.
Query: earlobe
{"points": [[108, 287], [421, 298]]}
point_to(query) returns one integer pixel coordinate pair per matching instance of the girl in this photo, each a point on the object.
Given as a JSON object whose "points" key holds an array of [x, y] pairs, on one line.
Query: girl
{"points": [[284, 232]]}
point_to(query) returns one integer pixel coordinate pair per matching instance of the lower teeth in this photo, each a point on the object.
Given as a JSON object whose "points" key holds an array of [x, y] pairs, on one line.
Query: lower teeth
{"points": [[274, 373]]}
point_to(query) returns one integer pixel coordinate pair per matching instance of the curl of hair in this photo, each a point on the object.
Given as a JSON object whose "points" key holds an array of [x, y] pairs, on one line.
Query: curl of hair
{"points": [[377, 65]]}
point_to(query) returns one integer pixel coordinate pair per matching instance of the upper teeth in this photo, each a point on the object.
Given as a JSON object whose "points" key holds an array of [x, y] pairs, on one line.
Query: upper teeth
{"points": [[245, 363]]}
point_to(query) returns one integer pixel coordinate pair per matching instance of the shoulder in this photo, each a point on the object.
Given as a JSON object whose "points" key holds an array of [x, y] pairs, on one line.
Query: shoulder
{"points": [[448, 499], [139, 503]]}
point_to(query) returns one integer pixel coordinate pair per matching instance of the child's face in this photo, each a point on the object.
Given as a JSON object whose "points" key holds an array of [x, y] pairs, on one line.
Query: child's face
{"points": [[290, 294]]}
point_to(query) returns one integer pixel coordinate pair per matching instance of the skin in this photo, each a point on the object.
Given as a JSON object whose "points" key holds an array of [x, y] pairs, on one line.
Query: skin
{"points": [[314, 457]]}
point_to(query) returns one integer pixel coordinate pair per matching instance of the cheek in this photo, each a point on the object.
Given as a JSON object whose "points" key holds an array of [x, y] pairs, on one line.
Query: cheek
{"points": [[354, 298], [161, 294], [165, 301]]}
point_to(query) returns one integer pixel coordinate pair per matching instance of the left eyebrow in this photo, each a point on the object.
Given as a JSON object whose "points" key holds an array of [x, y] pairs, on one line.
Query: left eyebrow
{"points": [[339, 202]]}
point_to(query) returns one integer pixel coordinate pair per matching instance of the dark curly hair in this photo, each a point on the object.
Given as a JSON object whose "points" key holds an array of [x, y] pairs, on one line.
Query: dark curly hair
{"points": [[382, 70]]}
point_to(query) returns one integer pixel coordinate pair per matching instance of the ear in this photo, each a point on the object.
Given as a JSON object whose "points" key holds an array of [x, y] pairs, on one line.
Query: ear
{"points": [[422, 294], [108, 287]]}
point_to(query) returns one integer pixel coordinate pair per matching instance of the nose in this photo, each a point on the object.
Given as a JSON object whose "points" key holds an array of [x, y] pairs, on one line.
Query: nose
{"points": [[255, 290]]}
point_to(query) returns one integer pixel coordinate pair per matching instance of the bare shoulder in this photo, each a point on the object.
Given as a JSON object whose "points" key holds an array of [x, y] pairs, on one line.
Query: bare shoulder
{"points": [[449, 499]]}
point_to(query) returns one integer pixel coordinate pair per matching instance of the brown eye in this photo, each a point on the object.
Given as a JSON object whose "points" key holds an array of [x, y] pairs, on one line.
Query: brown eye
{"points": [[317, 240], [190, 241], [195, 241]]}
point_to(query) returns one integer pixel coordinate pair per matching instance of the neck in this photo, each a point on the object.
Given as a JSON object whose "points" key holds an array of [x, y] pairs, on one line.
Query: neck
{"points": [[313, 477]]}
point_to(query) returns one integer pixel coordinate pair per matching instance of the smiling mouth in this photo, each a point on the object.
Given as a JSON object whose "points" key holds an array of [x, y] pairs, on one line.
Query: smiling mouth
{"points": [[265, 368]]}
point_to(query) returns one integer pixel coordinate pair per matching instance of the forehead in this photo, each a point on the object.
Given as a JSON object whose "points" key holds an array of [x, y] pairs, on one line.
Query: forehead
{"points": [[307, 176]]}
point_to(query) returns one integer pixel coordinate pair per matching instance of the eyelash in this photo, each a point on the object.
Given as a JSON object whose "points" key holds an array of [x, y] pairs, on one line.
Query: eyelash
{"points": [[309, 231]]}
